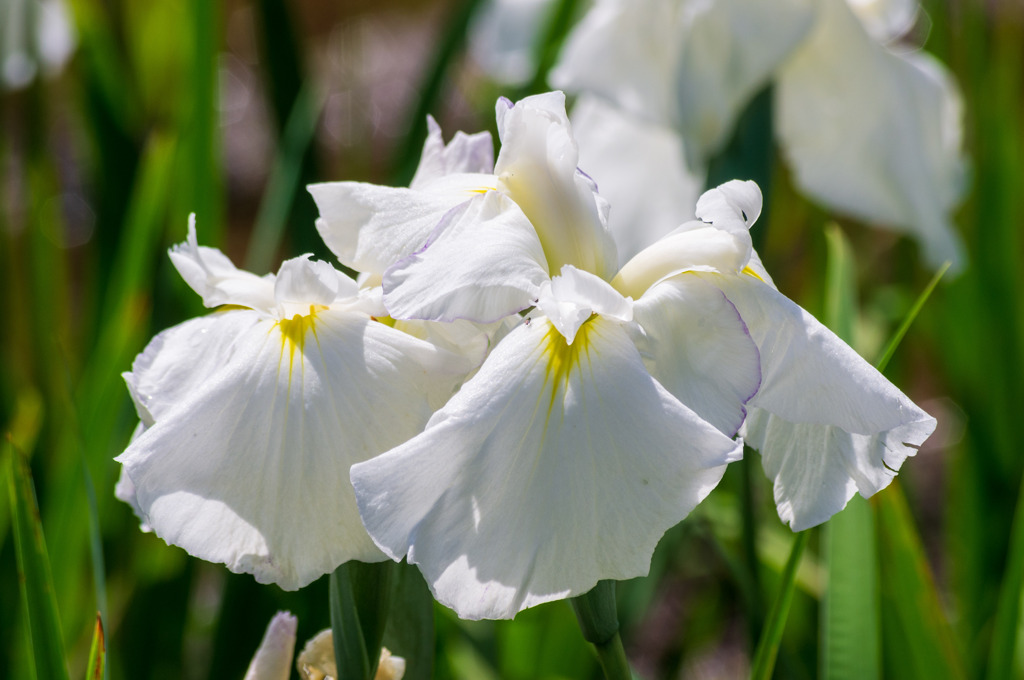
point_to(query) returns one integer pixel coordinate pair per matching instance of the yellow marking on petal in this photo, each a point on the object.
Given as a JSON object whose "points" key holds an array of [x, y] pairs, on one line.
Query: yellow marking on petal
{"points": [[750, 272], [293, 334], [563, 358], [386, 320], [229, 308]]}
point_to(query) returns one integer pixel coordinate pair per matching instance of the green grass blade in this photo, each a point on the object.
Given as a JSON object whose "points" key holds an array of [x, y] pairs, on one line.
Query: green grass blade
{"points": [[897, 337], [850, 620], [1007, 620], [919, 641], [38, 598], [97, 666], [767, 651]]}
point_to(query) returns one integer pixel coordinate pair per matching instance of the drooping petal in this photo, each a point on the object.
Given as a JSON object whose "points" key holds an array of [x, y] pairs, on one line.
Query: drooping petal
{"points": [[638, 167], [554, 467], [370, 227], [250, 466], [273, 659], [463, 154], [827, 423], [697, 346], [873, 133], [210, 273], [537, 168], [733, 206], [482, 263]]}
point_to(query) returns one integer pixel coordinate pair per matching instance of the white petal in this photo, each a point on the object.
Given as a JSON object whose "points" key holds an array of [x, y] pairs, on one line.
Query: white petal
{"points": [[483, 262], [886, 20], [211, 274], [638, 167], [872, 133], [697, 346], [464, 154], [178, 360], [830, 423], [502, 38], [575, 295], [692, 247], [251, 467], [302, 282], [733, 206], [371, 227], [554, 467], [537, 168], [273, 659], [729, 51], [626, 51]]}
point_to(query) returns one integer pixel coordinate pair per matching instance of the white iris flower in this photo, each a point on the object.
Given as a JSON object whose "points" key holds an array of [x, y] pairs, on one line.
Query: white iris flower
{"points": [[252, 416], [607, 414], [870, 131]]}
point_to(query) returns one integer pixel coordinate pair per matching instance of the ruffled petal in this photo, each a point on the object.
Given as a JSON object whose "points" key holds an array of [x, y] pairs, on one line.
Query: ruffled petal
{"points": [[874, 134], [697, 346], [210, 273], [537, 168], [482, 263], [463, 154], [733, 206], [571, 298], [370, 227], [827, 423], [250, 467], [638, 167], [554, 467]]}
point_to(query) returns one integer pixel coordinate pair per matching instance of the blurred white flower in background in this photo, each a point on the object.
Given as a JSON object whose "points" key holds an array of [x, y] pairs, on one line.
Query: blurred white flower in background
{"points": [[867, 130], [34, 35]]}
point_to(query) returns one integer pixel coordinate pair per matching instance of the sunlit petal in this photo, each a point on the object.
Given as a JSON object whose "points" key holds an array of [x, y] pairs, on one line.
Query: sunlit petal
{"points": [[555, 466], [697, 346], [463, 154], [482, 263], [249, 467], [273, 659], [827, 423]]}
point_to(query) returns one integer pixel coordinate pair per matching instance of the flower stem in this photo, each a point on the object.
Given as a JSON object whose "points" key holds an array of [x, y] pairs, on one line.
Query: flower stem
{"points": [[599, 623]]}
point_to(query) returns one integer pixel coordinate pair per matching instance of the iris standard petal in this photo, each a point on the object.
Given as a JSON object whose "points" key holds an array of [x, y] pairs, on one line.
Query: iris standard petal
{"points": [[463, 154], [250, 467], [638, 167], [696, 345], [554, 467], [827, 423], [537, 168], [370, 227], [482, 263], [874, 133]]}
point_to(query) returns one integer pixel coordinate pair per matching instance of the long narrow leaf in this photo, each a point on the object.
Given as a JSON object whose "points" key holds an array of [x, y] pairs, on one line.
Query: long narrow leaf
{"points": [[768, 647], [97, 667], [850, 620], [37, 594]]}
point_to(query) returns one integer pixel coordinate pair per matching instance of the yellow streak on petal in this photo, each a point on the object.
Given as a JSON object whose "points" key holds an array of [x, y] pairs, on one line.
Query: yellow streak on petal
{"points": [[563, 358], [293, 334], [750, 272]]}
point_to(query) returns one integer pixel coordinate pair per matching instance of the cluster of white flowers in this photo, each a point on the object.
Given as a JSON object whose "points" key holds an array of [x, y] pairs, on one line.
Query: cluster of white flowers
{"points": [[501, 399]]}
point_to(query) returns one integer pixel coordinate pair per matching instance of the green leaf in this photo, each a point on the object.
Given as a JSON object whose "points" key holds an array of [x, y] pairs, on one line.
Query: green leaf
{"points": [[37, 594], [850, 620], [360, 596], [919, 642], [96, 668], [767, 651], [410, 628]]}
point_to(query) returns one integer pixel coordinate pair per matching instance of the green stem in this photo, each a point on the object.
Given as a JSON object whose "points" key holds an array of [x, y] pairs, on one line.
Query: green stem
{"points": [[599, 622], [360, 596]]}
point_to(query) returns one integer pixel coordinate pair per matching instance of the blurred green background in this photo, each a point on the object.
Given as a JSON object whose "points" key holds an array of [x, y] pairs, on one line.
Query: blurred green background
{"points": [[229, 109]]}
